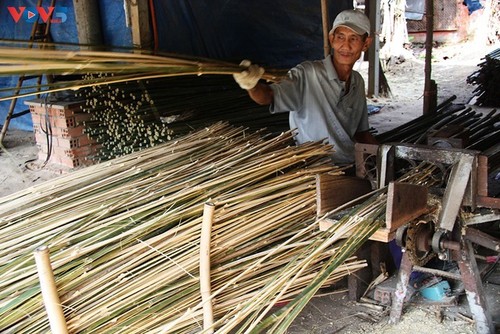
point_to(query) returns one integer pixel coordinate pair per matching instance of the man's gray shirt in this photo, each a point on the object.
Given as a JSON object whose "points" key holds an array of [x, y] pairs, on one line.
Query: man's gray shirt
{"points": [[319, 108]]}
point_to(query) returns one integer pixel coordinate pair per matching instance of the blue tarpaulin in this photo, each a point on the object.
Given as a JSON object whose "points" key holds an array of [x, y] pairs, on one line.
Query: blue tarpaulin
{"points": [[278, 34]]}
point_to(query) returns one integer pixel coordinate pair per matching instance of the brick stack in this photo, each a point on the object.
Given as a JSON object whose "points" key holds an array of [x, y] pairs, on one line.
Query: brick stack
{"points": [[59, 133]]}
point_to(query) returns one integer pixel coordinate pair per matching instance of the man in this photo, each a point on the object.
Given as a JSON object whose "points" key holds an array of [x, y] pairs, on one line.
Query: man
{"points": [[325, 99]]}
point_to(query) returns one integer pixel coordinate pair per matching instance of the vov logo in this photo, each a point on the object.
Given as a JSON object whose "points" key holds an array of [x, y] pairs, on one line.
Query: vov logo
{"points": [[32, 14]]}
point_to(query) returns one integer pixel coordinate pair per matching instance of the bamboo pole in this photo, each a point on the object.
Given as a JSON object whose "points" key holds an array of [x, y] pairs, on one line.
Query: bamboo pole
{"points": [[205, 282], [49, 291], [326, 27], [430, 89]]}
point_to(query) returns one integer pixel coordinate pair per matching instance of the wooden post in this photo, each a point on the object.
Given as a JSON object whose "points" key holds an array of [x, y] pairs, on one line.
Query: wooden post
{"points": [[373, 12], [430, 88], [139, 24], [88, 22], [326, 27], [205, 282], [49, 291]]}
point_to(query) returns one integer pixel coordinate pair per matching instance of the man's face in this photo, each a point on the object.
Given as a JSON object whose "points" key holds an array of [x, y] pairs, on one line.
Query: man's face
{"points": [[347, 46]]}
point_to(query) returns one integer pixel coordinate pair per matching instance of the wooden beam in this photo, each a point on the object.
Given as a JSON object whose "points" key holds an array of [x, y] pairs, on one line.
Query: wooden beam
{"points": [[326, 26], [430, 87], [139, 24], [373, 11], [88, 22]]}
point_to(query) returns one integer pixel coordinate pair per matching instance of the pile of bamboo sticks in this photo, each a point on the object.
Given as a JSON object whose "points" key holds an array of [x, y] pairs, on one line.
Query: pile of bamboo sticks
{"points": [[124, 237], [482, 131], [487, 80], [131, 116]]}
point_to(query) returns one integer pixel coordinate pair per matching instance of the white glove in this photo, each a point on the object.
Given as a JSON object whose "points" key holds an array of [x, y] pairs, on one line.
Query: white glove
{"points": [[249, 78]]}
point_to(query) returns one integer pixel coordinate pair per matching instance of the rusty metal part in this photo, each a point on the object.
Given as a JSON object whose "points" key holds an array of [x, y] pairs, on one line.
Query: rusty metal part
{"points": [[469, 275], [405, 270], [474, 289], [438, 272], [418, 242]]}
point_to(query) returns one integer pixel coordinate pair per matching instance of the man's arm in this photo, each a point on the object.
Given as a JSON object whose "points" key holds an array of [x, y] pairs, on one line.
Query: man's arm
{"points": [[261, 94], [365, 137]]}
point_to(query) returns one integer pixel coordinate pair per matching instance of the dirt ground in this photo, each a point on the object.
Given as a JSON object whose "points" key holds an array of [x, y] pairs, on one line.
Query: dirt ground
{"points": [[335, 313]]}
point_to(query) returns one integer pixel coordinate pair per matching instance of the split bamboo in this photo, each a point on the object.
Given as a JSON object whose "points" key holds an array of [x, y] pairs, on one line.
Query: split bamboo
{"points": [[125, 235], [49, 291], [205, 280]]}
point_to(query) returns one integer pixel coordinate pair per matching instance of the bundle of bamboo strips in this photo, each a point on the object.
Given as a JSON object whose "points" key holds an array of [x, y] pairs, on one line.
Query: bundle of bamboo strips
{"points": [[124, 66], [124, 235], [134, 97]]}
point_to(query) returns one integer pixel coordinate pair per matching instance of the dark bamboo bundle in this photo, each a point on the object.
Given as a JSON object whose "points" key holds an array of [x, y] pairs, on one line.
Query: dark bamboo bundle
{"points": [[131, 116], [443, 110], [478, 131], [487, 80]]}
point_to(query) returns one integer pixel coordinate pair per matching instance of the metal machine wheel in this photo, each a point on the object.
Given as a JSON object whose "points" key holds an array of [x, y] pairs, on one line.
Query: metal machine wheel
{"points": [[418, 242]]}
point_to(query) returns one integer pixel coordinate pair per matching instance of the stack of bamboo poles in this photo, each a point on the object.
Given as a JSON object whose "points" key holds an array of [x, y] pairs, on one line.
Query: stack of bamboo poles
{"points": [[482, 130], [124, 237], [487, 80], [131, 116]]}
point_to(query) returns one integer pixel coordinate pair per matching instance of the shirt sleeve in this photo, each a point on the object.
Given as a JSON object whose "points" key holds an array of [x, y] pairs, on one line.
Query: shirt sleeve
{"points": [[288, 92]]}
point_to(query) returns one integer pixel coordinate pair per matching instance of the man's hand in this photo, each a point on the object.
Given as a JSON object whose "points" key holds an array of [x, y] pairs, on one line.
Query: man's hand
{"points": [[249, 78]]}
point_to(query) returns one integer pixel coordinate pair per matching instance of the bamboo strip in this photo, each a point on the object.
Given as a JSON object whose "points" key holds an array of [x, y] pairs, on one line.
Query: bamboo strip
{"points": [[205, 285], [49, 291], [129, 66]]}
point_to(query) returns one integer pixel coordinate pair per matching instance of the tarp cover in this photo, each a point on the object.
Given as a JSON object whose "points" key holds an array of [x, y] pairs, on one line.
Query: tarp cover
{"points": [[278, 33]]}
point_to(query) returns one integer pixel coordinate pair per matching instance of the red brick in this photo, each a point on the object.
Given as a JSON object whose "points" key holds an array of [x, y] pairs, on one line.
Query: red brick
{"points": [[59, 133]]}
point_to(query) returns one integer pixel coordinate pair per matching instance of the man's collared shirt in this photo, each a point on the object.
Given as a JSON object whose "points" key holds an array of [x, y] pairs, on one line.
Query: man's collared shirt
{"points": [[319, 108]]}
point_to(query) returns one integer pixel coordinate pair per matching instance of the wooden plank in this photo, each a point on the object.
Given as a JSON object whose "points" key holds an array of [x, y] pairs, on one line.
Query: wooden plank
{"points": [[334, 190], [405, 202], [139, 24], [482, 175], [383, 235]]}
